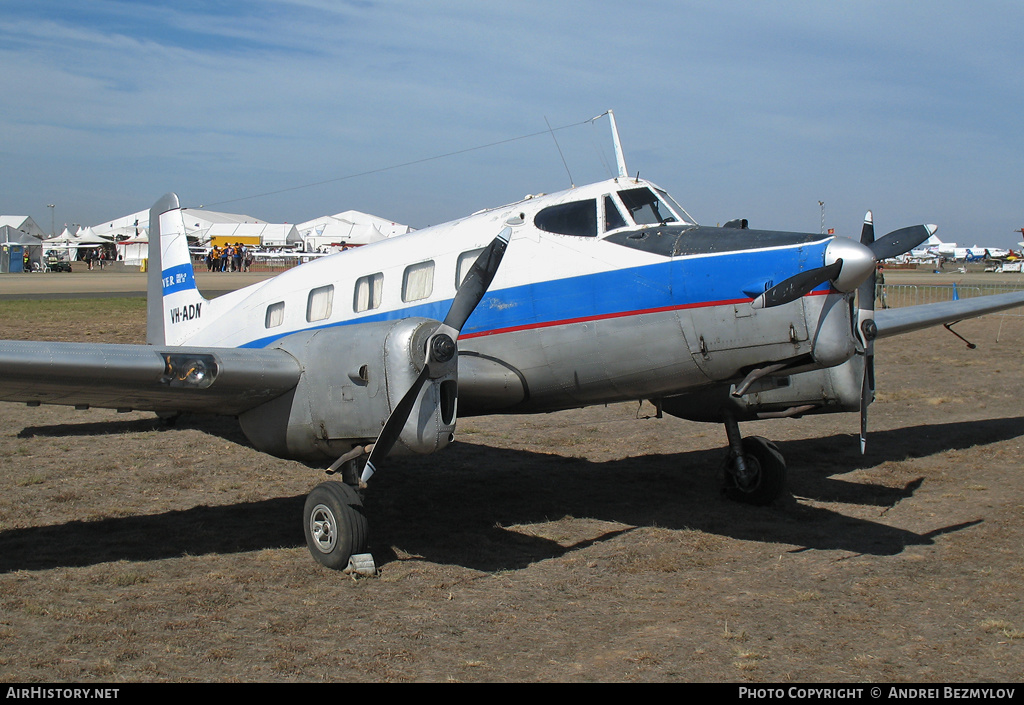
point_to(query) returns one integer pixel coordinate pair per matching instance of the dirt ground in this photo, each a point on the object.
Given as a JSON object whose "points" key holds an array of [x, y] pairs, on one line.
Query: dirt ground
{"points": [[590, 545]]}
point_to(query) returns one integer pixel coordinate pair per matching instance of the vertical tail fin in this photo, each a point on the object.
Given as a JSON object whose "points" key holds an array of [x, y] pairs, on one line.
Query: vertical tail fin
{"points": [[174, 306]]}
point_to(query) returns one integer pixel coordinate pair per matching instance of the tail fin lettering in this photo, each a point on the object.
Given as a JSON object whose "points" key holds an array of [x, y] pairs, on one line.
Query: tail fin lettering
{"points": [[175, 307]]}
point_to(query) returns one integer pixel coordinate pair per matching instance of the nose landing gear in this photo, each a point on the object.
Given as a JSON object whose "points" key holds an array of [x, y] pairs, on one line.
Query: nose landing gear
{"points": [[755, 471]]}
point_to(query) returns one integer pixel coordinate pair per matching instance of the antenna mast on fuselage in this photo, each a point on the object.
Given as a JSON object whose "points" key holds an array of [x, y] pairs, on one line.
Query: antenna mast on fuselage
{"points": [[620, 161]]}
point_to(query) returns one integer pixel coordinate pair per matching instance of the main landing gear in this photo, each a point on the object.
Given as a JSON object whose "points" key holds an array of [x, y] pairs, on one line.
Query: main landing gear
{"points": [[755, 471], [336, 527]]}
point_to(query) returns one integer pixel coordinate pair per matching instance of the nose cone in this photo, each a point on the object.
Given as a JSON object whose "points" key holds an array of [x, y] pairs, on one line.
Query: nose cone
{"points": [[858, 263]]}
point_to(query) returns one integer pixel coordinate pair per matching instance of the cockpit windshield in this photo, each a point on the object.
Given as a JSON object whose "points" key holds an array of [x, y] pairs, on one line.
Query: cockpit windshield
{"points": [[648, 209], [645, 205], [675, 207]]}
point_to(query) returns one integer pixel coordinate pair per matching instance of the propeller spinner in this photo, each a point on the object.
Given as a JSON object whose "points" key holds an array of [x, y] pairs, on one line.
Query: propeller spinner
{"points": [[442, 349]]}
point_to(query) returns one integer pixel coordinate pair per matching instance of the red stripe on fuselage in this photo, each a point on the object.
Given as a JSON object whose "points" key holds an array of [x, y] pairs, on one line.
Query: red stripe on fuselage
{"points": [[620, 314]]}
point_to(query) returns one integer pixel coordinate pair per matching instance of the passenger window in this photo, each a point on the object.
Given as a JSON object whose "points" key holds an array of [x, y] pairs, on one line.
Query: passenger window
{"points": [[368, 292], [275, 315], [645, 207], [612, 218], [318, 307], [418, 281], [577, 218], [464, 264]]}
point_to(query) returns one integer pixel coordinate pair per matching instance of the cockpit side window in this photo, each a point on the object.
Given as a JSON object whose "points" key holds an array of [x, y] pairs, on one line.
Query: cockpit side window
{"points": [[645, 207], [612, 218], [578, 218]]}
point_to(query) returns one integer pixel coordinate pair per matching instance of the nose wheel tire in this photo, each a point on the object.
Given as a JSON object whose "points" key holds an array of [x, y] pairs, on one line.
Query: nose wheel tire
{"points": [[334, 524], [764, 478]]}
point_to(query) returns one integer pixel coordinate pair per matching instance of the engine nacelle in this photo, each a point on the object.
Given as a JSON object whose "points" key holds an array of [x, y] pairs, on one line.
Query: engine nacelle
{"points": [[352, 377], [828, 390]]}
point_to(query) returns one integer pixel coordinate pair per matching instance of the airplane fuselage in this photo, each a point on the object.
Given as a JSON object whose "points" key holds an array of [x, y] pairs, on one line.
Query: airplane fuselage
{"points": [[591, 304]]}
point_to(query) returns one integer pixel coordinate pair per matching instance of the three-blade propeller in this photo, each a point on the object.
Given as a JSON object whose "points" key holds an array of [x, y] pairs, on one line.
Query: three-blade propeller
{"points": [[848, 264], [441, 346]]}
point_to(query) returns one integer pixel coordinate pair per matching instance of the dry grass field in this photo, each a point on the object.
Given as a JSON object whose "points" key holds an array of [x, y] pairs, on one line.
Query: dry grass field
{"points": [[590, 545]]}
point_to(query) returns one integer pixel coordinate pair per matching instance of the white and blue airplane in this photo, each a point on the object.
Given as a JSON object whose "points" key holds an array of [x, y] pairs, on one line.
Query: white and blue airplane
{"points": [[601, 293], [933, 247]]}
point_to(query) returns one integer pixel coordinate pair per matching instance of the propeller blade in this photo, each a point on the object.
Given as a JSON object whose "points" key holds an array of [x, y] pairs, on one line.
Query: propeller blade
{"points": [[474, 286], [441, 347], [866, 291], [798, 285], [866, 312], [394, 425], [865, 294], [903, 240], [866, 396], [867, 232]]}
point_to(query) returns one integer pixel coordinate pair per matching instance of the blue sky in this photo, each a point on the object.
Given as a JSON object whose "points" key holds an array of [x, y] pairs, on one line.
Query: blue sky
{"points": [[739, 109]]}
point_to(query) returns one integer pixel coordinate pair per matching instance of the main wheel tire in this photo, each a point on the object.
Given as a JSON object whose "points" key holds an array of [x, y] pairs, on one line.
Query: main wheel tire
{"points": [[334, 523], [766, 473]]}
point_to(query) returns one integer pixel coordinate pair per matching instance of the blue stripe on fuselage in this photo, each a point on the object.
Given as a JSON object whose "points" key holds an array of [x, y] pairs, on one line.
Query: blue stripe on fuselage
{"points": [[676, 283]]}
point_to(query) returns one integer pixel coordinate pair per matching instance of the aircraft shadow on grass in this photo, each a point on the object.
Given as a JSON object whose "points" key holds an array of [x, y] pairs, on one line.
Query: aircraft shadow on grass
{"points": [[451, 508], [222, 426]]}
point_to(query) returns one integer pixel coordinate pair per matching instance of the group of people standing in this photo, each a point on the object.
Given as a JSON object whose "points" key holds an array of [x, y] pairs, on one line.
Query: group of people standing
{"points": [[94, 257], [230, 258]]}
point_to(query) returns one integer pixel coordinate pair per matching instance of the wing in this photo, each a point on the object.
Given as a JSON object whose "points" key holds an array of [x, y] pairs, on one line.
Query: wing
{"points": [[144, 377], [894, 321]]}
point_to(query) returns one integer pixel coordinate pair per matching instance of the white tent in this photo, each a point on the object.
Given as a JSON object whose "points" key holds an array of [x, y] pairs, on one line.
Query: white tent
{"points": [[9, 236], [22, 223], [349, 228], [201, 226], [133, 250], [13, 235], [65, 241], [72, 243], [87, 236], [124, 228], [269, 234], [197, 222]]}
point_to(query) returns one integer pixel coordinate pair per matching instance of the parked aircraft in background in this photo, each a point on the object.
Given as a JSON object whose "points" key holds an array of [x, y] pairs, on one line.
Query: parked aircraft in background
{"points": [[601, 293], [933, 248]]}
